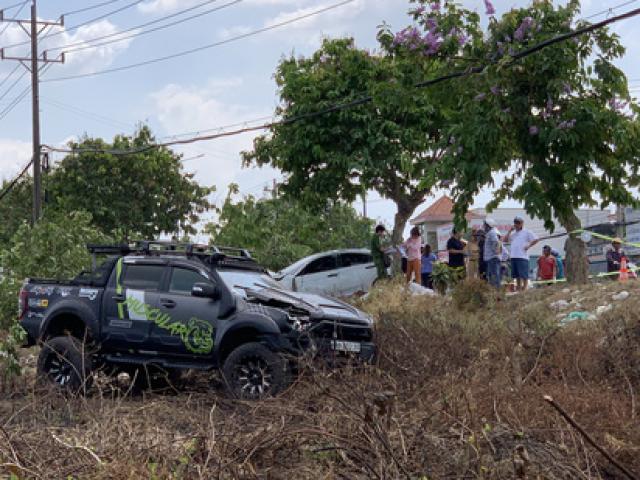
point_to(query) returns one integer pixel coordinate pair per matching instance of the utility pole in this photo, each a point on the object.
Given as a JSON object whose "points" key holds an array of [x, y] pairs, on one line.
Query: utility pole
{"points": [[364, 204], [32, 64]]}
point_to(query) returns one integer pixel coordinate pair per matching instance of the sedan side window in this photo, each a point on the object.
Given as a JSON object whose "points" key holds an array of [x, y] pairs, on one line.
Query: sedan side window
{"points": [[183, 279], [351, 259], [321, 264]]}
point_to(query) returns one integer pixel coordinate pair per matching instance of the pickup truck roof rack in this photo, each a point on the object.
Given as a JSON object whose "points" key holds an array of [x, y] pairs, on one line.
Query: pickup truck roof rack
{"points": [[211, 253]]}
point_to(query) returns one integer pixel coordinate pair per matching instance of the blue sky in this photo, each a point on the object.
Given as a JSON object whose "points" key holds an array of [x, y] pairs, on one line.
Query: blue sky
{"points": [[225, 85]]}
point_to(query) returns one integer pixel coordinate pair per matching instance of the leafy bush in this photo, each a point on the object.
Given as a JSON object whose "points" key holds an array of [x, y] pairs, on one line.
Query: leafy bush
{"points": [[473, 294], [55, 248], [445, 277]]}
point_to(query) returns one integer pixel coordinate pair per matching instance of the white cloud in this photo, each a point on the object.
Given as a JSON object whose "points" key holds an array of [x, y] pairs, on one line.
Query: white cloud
{"points": [[180, 108], [328, 18], [14, 155]]}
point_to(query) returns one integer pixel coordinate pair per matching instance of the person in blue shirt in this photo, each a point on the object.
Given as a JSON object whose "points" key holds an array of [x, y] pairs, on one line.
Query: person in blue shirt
{"points": [[427, 266], [559, 264]]}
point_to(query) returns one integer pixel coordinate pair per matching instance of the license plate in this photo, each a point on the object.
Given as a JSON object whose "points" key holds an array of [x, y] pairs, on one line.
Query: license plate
{"points": [[342, 346]]}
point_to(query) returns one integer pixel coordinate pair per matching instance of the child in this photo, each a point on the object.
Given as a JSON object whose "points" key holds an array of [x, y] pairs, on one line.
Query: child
{"points": [[427, 266]]}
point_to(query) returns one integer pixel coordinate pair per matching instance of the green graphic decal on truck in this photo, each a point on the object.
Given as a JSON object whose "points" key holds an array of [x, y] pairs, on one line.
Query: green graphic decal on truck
{"points": [[196, 334]]}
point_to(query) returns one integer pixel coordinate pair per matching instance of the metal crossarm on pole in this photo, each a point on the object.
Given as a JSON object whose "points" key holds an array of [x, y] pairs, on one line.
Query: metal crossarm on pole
{"points": [[33, 64]]}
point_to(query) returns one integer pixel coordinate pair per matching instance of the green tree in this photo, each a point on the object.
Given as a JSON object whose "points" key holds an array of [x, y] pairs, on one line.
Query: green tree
{"points": [[560, 122], [143, 193], [15, 208], [279, 231], [389, 144]]}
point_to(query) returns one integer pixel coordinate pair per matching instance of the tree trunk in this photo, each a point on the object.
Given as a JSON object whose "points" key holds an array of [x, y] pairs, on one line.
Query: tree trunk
{"points": [[399, 223], [577, 268]]}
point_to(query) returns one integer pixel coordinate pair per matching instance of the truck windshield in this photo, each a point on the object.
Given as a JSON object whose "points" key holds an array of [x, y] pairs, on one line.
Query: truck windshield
{"points": [[240, 280]]}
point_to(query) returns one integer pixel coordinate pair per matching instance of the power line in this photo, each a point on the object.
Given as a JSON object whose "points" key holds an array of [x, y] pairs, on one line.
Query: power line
{"points": [[21, 5], [15, 102], [4, 80], [611, 9], [204, 47], [366, 99], [85, 113], [9, 187], [91, 7], [83, 45], [75, 27], [13, 84]]}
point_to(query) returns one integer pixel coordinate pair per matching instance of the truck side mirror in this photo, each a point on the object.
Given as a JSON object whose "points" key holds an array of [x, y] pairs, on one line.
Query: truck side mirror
{"points": [[206, 290]]}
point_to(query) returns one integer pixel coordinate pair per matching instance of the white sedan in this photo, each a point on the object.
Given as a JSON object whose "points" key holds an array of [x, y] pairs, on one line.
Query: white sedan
{"points": [[339, 273]]}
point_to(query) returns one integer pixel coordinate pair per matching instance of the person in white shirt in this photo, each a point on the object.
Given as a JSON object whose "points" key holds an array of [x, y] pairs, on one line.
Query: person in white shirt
{"points": [[521, 241]]}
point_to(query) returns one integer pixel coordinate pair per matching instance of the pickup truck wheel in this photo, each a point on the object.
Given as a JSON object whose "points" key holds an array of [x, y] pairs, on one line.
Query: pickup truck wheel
{"points": [[253, 372], [65, 362]]}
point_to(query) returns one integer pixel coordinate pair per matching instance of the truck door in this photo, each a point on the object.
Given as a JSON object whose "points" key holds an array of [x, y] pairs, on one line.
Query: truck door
{"points": [[187, 324], [131, 297]]}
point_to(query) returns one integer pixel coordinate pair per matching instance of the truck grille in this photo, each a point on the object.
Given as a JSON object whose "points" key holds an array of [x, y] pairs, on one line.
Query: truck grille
{"points": [[349, 332]]}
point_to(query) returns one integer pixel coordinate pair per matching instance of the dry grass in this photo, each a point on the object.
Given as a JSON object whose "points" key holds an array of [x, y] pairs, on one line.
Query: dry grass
{"points": [[457, 393]]}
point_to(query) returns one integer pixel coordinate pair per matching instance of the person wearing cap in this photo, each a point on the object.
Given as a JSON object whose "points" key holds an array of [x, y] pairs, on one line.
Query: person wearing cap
{"points": [[492, 252], [521, 240], [547, 267], [615, 255]]}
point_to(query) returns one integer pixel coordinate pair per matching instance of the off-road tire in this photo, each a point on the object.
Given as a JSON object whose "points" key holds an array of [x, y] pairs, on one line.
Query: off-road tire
{"points": [[254, 372], [65, 363]]}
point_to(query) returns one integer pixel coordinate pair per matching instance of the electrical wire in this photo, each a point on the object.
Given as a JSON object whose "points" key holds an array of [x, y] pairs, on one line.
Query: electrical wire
{"points": [[363, 100], [13, 182], [204, 47], [13, 6], [90, 41], [21, 5], [611, 9], [15, 102], [75, 27], [13, 84], [4, 80], [91, 7]]}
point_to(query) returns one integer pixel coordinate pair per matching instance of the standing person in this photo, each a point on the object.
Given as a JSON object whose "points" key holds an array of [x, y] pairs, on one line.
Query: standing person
{"points": [[492, 252], [428, 257], [474, 255], [615, 256], [547, 267], [377, 251], [521, 241], [413, 248], [559, 264], [482, 264], [456, 249]]}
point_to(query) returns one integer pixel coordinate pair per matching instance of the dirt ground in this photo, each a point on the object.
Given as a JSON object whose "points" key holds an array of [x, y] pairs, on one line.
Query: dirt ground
{"points": [[457, 393]]}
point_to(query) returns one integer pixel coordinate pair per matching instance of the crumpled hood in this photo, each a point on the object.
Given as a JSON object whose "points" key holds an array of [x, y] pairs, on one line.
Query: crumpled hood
{"points": [[318, 306]]}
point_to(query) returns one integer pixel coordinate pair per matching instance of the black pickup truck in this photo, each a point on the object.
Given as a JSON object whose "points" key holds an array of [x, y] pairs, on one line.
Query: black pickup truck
{"points": [[184, 306]]}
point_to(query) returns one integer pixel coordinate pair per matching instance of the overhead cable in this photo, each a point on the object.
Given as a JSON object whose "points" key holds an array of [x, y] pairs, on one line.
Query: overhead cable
{"points": [[75, 27], [13, 182], [21, 5], [90, 7], [204, 47], [365, 99], [89, 43]]}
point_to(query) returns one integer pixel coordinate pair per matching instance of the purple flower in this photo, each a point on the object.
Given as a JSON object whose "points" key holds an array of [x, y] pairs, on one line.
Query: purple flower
{"points": [[566, 88], [419, 10], [522, 30], [496, 90], [432, 23], [549, 105], [435, 7], [480, 97], [533, 130], [489, 6], [462, 39]]}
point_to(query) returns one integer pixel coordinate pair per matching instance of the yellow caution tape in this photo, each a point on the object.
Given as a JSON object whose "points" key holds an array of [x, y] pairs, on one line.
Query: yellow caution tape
{"points": [[605, 237]]}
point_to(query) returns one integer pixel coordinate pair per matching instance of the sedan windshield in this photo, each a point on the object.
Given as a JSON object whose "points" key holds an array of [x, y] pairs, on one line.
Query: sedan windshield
{"points": [[240, 280]]}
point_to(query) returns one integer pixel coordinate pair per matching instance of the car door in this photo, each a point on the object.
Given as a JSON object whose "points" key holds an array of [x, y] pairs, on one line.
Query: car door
{"points": [[353, 271], [319, 276], [132, 292], [185, 324]]}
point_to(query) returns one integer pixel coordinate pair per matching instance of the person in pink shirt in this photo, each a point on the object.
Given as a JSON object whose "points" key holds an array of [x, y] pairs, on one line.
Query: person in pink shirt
{"points": [[413, 247]]}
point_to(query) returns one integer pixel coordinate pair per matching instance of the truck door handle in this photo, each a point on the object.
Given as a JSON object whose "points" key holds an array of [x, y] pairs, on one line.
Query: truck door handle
{"points": [[165, 302], [119, 298], [332, 275]]}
